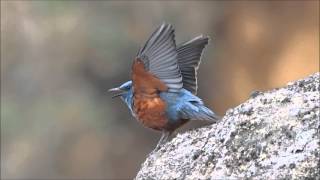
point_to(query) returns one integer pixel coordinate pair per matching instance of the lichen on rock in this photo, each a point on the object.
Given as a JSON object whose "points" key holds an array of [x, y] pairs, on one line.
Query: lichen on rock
{"points": [[273, 135]]}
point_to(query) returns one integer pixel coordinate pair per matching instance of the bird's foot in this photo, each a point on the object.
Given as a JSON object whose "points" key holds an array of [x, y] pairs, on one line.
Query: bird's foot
{"points": [[158, 147], [162, 141]]}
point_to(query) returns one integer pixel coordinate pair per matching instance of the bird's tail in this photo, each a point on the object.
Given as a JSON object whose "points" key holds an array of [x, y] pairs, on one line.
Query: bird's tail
{"points": [[199, 112], [206, 114]]}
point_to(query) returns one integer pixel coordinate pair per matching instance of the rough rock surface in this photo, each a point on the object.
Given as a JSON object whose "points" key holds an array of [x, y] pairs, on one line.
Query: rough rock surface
{"points": [[273, 135]]}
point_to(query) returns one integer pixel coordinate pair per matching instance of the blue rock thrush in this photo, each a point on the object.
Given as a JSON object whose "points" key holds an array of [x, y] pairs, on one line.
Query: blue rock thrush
{"points": [[162, 93]]}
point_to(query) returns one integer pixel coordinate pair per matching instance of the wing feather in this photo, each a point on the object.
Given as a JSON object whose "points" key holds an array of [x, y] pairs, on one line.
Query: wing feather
{"points": [[189, 58], [159, 57]]}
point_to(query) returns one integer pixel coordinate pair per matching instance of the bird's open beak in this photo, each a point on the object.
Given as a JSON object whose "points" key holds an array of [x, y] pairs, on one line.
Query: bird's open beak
{"points": [[118, 91]]}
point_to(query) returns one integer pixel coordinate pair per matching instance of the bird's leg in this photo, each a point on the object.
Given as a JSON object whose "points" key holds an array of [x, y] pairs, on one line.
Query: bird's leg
{"points": [[164, 138]]}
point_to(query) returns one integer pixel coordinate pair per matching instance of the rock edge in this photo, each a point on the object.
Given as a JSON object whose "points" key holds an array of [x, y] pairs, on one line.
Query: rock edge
{"points": [[273, 135]]}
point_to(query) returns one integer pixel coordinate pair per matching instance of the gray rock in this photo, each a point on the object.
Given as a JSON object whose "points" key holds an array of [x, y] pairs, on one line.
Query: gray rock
{"points": [[273, 135]]}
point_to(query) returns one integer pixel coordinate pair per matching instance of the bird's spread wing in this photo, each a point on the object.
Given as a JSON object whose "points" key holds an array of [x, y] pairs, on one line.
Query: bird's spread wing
{"points": [[158, 59], [189, 56]]}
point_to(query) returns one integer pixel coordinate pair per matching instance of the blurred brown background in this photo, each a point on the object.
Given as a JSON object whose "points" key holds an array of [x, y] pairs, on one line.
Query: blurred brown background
{"points": [[58, 58]]}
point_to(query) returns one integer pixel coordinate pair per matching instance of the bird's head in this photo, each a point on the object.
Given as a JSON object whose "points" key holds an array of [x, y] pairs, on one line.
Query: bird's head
{"points": [[123, 91]]}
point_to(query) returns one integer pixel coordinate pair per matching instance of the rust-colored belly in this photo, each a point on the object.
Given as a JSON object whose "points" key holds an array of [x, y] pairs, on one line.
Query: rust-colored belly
{"points": [[150, 111]]}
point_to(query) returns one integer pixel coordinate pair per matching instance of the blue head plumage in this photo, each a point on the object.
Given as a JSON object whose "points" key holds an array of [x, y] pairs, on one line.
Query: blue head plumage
{"points": [[125, 93]]}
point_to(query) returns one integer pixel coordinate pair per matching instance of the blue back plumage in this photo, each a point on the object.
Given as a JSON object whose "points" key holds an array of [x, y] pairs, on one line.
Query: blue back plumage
{"points": [[185, 105]]}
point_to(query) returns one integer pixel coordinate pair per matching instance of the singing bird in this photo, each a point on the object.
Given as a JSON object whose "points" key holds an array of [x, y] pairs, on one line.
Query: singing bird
{"points": [[162, 93]]}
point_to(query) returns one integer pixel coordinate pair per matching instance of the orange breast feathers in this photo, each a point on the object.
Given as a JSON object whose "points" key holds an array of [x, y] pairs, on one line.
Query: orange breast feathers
{"points": [[150, 112], [147, 104]]}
